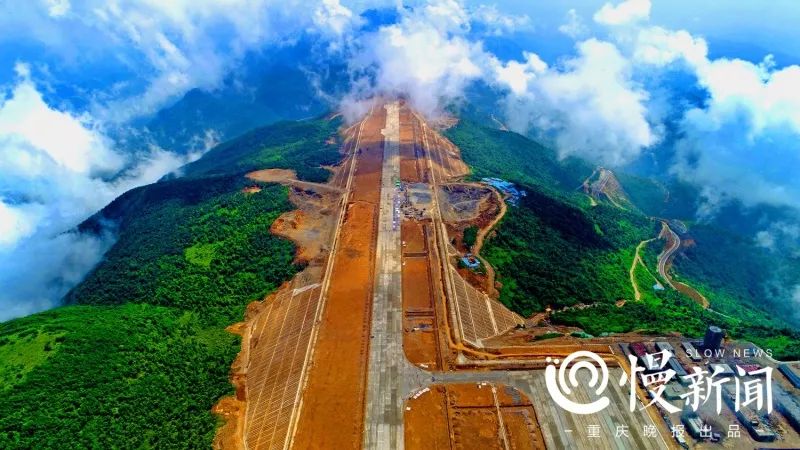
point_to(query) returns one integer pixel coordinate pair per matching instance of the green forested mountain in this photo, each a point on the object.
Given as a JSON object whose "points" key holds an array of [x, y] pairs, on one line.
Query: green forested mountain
{"points": [[496, 153], [557, 250], [147, 325], [92, 375], [303, 146]]}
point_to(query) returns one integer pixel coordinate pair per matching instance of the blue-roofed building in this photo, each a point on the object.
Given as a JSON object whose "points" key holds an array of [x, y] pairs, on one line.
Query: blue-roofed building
{"points": [[507, 188], [471, 262]]}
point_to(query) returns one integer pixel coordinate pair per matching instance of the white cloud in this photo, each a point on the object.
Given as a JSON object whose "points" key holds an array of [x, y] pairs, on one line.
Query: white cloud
{"points": [[626, 12], [443, 15], [57, 8], [765, 239], [771, 98], [331, 15], [574, 26], [16, 223], [660, 47], [68, 140], [167, 47], [56, 169], [781, 231], [497, 23], [744, 143], [589, 107], [424, 57], [42, 271], [518, 75]]}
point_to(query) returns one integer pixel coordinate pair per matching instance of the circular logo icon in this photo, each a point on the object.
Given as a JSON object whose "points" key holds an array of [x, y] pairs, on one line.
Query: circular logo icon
{"points": [[560, 382]]}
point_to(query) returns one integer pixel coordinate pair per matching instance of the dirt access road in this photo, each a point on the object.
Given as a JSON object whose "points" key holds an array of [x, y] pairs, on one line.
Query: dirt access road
{"points": [[637, 259], [673, 244], [665, 262], [476, 249]]}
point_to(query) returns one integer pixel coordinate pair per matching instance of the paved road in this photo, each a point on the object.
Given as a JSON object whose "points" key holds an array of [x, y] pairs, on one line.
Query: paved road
{"points": [[391, 377], [664, 257]]}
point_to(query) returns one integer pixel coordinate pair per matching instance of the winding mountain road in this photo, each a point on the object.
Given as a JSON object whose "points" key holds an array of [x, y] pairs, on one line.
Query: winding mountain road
{"points": [[476, 249], [668, 252], [665, 258]]}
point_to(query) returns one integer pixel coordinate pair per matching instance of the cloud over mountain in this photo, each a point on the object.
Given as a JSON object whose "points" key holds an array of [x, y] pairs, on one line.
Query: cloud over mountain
{"points": [[59, 159], [57, 169]]}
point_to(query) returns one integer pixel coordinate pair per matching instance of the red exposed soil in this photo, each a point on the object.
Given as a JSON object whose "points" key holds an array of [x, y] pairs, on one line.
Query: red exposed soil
{"points": [[311, 225], [420, 331], [332, 409], [413, 237], [471, 416], [416, 287], [419, 342], [419, 328], [230, 435], [409, 164], [273, 175]]}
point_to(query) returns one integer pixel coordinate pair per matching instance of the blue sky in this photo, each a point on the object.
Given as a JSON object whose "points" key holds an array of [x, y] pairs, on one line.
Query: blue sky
{"points": [[771, 26]]}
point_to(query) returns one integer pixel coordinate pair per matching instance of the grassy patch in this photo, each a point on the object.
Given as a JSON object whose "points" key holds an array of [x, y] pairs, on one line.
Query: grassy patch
{"points": [[201, 254], [22, 352], [543, 337]]}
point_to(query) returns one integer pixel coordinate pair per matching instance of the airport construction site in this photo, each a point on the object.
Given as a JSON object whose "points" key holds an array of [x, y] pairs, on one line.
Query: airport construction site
{"points": [[384, 341]]}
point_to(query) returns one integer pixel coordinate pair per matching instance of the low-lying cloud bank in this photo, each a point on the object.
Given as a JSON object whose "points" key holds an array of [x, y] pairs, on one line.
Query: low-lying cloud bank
{"points": [[57, 169], [59, 163]]}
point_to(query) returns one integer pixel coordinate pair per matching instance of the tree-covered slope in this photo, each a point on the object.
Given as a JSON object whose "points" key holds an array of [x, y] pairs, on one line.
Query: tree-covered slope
{"points": [[739, 277], [302, 146], [128, 376], [197, 244], [142, 355], [556, 250], [496, 153], [552, 253]]}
